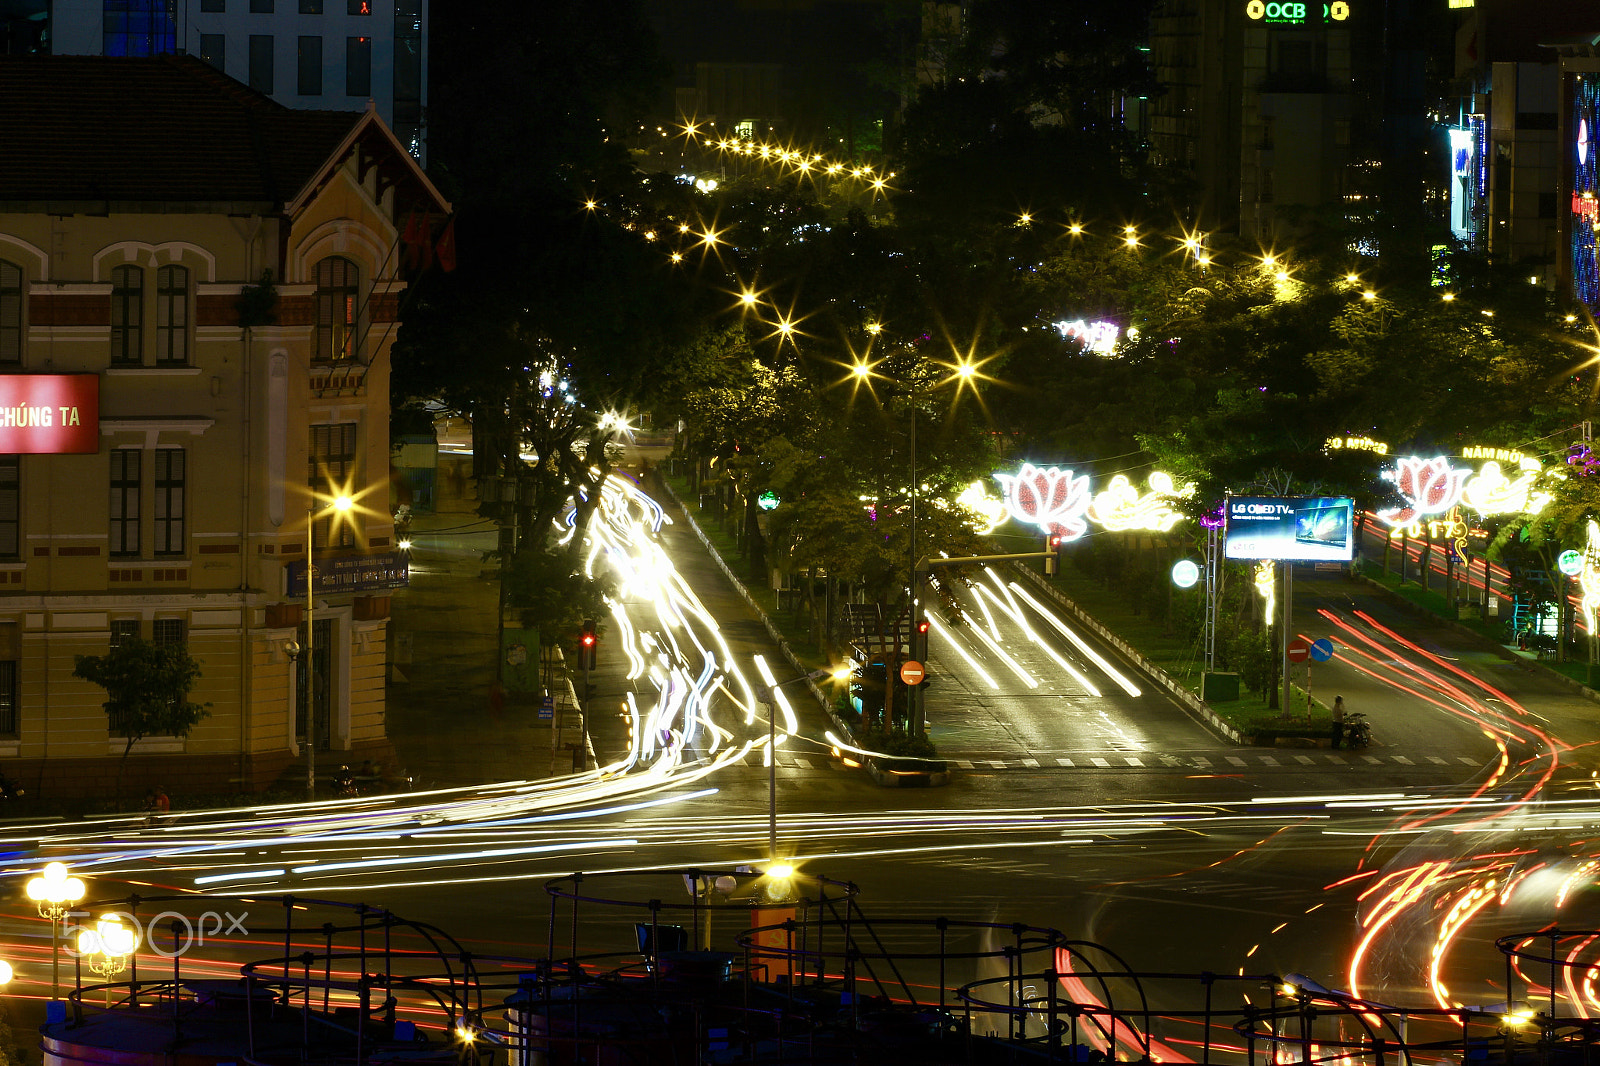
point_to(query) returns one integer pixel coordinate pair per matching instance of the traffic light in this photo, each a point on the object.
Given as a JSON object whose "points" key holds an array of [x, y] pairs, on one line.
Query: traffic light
{"points": [[1052, 562], [919, 643], [587, 646]]}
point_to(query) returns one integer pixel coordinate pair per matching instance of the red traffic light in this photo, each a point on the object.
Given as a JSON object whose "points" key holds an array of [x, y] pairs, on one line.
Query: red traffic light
{"points": [[922, 625], [588, 640]]}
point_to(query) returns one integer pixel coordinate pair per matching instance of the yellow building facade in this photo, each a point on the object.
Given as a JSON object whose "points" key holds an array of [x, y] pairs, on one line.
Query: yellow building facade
{"points": [[219, 295]]}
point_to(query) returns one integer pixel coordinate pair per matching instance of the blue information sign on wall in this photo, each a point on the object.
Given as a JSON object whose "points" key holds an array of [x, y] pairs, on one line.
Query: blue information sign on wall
{"points": [[351, 573]]}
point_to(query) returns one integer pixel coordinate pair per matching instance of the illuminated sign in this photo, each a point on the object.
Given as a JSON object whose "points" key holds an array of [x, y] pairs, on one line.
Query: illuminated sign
{"points": [[1570, 562], [1185, 573], [767, 500], [1463, 181], [1296, 12], [49, 414], [1298, 528], [1585, 217], [1059, 502], [1364, 444]]}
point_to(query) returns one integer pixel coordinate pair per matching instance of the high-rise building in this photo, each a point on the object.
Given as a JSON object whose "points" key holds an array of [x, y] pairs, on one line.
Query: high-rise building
{"points": [[322, 54], [1255, 107]]}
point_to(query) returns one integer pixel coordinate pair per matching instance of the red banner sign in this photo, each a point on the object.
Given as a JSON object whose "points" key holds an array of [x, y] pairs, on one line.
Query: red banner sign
{"points": [[49, 414]]}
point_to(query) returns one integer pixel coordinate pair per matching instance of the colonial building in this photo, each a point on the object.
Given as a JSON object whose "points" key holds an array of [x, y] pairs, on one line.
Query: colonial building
{"points": [[199, 288]]}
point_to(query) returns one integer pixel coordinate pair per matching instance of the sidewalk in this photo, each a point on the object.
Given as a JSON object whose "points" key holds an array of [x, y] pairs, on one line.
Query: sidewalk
{"points": [[441, 721]]}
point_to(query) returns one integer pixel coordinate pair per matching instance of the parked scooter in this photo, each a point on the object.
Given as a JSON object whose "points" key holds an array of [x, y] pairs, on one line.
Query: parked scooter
{"points": [[1357, 730]]}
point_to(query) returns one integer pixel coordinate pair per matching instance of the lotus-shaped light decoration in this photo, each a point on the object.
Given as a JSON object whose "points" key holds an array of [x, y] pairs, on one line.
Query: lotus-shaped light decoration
{"points": [[1430, 486], [1054, 500], [1121, 506]]}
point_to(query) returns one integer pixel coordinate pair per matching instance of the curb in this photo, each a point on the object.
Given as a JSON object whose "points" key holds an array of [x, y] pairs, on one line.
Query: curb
{"points": [[886, 778], [1187, 699]]}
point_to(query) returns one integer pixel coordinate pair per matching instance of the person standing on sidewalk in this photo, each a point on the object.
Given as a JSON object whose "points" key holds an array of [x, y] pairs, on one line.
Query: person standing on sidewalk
{"points": [[1338, 721]]}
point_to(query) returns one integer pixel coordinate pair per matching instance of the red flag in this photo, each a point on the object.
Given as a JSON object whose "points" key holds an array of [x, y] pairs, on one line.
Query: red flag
{"points": [[446, 246], [418, 240]]}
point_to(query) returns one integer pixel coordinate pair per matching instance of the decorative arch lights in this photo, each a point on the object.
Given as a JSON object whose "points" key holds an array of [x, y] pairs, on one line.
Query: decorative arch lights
{"points": [[1098, 337], [1435, 486], [1121, 507], [1060, 503]]}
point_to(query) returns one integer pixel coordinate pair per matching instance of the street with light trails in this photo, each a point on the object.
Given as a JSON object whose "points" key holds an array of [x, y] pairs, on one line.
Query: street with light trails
{"points": [[1388, 877]]}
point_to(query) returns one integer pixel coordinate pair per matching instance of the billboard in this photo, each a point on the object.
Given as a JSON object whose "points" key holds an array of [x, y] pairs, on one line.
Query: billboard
{"points": [[1298, 528], [49, 414]]}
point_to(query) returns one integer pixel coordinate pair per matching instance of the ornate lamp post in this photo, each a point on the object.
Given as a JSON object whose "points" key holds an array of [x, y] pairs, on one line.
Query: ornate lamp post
{"points": [[108, 947], [54, 891]]}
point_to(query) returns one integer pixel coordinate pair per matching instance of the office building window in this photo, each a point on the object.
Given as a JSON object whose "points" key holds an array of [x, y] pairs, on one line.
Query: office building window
{"points": [[166, 632], [127, 306], [336, 310], [125, 502], [169, 483], [214, 7], [333, 462], [10, 312], [310, 7], [262, 7], [123, 630], [10, 507], [408, 74], [138, 28], [310, 82], [213, 47], [358, 66], [10, 661], [172, 316], [261, 62]]}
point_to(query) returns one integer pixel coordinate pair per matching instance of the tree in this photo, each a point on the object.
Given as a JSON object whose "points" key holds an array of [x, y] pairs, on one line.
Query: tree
{"points": [[148, 688]]}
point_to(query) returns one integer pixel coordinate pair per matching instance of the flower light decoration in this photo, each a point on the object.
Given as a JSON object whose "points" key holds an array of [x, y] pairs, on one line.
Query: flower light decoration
{"points": [[987, 511], [1121, 507], [1492, 492], [1433, 487], [1055, 500], [1430, 487]]}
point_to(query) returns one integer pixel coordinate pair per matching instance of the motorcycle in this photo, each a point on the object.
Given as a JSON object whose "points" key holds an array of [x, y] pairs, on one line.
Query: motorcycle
{"points": [[1357, 730]]}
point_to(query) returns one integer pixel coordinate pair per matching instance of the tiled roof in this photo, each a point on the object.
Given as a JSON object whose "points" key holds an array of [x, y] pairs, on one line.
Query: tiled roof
{"points": [[164, 128]]}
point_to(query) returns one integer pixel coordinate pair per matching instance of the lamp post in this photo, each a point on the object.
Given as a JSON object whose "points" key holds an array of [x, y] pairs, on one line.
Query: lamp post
{"points": [[772, 756], [107, 947], [336, 505], [962, 372], [54, 891]]}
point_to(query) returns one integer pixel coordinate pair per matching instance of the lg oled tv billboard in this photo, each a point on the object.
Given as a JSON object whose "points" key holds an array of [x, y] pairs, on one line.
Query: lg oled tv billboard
{"points": [[1295, 528]]}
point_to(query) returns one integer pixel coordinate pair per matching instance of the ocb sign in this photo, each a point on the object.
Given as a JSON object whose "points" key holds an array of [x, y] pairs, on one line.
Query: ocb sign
{"points": [[1295, 12]]}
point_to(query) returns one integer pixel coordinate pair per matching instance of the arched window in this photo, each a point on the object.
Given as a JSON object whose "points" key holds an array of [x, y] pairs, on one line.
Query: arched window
{"points": [[172, 316], [127, 316], [10, 313], [336, 310]]}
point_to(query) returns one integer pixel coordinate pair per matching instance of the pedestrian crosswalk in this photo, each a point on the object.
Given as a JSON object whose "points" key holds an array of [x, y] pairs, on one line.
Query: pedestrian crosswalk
{"points": [[1148, 760]]}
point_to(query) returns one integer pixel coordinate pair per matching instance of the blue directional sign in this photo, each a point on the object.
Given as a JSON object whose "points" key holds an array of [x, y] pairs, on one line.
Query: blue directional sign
{"points": [[1322, 650], [547, 708]]}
